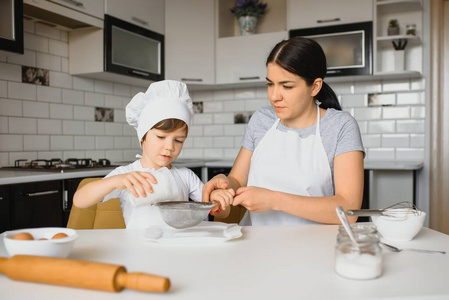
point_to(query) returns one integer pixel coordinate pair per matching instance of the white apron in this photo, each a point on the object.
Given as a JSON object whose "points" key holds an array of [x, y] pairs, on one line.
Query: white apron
{"points": [[285, 162]]}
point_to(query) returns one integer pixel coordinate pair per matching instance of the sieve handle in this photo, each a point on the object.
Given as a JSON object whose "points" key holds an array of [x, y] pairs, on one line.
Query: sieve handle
{"points": [[364, 212]]}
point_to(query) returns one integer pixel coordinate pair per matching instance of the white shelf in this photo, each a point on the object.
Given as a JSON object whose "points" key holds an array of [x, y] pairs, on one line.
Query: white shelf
{"points": [[376, 76], [393, 6], [387, 40]]}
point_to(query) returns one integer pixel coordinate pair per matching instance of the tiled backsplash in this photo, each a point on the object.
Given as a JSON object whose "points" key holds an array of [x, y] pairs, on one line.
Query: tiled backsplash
{"points": [[58, 121]]}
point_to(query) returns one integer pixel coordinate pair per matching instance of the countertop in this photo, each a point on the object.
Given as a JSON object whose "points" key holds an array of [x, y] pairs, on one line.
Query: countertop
{"points": [[13, 177], [267, 262]]}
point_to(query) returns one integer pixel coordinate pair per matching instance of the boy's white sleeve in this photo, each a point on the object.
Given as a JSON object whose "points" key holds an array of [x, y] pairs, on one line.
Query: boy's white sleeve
{"points": [[116, 193], [196, 187]]}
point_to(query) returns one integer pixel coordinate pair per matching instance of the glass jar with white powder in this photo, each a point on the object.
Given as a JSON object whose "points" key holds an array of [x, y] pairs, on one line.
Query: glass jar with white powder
{"points": [[362, 261]]}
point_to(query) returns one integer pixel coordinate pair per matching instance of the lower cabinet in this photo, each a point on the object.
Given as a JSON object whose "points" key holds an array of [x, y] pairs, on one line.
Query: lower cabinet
{"points": [[5, 208]]}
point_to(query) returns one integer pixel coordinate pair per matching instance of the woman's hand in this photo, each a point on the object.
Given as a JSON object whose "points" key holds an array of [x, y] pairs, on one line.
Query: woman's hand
{"points": [[255, 199], [137, 183], [218, 182]]}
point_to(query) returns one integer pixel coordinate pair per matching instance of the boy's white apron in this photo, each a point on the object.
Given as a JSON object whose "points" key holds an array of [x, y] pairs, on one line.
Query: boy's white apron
{"points": [[283, 161]]}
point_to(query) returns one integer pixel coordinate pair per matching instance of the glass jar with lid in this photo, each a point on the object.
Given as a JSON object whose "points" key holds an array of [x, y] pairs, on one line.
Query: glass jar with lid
{"points": [[362, 261]]}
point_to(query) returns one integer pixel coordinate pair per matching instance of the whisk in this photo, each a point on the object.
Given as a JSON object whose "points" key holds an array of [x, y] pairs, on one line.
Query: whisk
{"points": [[398, 210]]}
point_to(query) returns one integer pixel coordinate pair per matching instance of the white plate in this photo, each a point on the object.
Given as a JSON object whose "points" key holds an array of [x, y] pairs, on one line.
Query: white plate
{"points": [[205, 232]]}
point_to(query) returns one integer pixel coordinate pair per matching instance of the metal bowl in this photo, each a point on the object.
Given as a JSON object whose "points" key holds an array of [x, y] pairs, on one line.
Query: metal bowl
{"points": [[184, 214]]}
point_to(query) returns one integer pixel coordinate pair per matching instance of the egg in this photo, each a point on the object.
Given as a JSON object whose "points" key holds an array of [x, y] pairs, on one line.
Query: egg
{"points": [[60, 235], [42, 239], [23, 236]]}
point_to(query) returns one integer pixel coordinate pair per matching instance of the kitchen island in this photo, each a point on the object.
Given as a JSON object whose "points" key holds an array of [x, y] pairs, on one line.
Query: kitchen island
{"points": [[272, 262]]}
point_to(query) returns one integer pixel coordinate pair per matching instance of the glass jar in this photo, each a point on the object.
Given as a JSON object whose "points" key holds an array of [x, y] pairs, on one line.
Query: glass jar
{"points": [[410, 29], [358, 262]]}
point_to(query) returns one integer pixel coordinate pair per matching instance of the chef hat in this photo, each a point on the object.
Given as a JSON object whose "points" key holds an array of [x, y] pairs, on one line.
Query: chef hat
{"points": [[167, 99]]}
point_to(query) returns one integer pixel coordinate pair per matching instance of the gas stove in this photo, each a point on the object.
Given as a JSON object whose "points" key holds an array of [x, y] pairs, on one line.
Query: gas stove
{"points": [[58, 165]]}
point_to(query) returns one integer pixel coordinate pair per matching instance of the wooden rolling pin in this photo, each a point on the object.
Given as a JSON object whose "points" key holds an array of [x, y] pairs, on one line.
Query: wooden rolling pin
{"points": [[80, 274]]}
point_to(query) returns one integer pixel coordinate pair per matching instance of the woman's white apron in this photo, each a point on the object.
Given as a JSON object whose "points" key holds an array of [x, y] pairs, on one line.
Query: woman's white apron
{"points": [[285, 162]]}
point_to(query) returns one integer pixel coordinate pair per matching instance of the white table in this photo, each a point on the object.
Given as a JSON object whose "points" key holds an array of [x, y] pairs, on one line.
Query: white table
{"points": [[265, 263]]}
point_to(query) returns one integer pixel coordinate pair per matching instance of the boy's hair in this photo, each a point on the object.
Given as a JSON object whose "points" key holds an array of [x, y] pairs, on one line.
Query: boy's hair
{"points": [[169, 125]]}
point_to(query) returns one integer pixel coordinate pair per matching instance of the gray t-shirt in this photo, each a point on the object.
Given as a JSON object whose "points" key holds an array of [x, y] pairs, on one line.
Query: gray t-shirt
{"points": [[340, 132]]}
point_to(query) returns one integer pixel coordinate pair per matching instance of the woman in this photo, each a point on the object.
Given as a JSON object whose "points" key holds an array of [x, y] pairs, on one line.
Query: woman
{"points": [[301, 157]]}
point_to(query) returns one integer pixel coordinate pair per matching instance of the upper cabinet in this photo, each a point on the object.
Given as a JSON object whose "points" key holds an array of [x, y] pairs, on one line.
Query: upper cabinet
{"points": [[148, 14], [11, 27], [94, 8], [317, 13], [190, 41]]}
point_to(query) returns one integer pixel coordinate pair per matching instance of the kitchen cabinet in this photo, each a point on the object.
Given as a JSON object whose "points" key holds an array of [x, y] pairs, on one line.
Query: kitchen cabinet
{"points": [[306, 14], [190, 41], [5, 208], [11, 27], [148, 14], [241, 59], [406, 12], [93, 8]]}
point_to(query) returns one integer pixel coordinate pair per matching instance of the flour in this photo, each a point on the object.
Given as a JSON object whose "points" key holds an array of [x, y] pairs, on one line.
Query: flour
{"points": [[358, 266]]}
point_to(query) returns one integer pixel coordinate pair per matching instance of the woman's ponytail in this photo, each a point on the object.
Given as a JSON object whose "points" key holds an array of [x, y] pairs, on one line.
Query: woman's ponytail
{"points": [[328, 98]]}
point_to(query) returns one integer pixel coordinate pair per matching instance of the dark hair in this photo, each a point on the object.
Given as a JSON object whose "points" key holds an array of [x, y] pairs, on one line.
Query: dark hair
{"points": [[169, 125], [305, 57]]}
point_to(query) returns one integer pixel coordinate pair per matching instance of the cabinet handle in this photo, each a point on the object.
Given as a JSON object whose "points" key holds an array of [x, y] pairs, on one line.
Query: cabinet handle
{"points": [[65, 201], [328, 20], [139, 73], [249, 78], [1, 198], [139, 21], [192, 79], [73, 2], [42, 193]]}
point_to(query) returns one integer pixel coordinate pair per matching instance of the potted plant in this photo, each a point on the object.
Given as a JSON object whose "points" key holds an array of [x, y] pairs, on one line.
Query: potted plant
{"points": [[247, 12], [393, 27]]}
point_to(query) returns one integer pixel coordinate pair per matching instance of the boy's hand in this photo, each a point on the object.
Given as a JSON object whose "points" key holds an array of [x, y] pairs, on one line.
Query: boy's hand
{"points": [[136, 183], [224, 198]]}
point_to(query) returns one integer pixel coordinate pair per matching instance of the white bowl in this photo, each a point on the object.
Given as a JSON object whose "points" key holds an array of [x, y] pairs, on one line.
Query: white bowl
{"points": [[56, 248], [402, 228]]}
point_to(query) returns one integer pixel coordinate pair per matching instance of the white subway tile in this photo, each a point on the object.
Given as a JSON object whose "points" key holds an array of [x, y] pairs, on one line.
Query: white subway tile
{"points": [[122, 142], [36, 109], [381, 126], [84, 84], [367, 87], [28, 58], [246, 93], [203, 142], [47, 61], [227, 94], [410, 98], [114, 128], [61, 142], [371, 140], [49, 154], [59, 79], [213, 153], [45, 30], [262, 93], [231, 153], [188, 143], [234, 106], [418, 112], [382, 154], [224, 118], [64, 36], [210, 107], [94, 99], [64, 65], [73, 127], [13, 156], [113, 101], [3, 89], [125, 101], [138, 89], [24, 91], [213, 130], [58, 48], [22, 125], [409, 154], [396, 112], [236, 129], [410, 126], [34, 42], [104, 87], [203, 119], [224, 142], [10, 107], [396, 85], [94, 128], [95, 154], [238, 141], [130, 131], [122, 90], [253, 105], [49, 94], [357, 100], [84, 142], [49, 126], [10, 72], [4, 159], [72, 97], [36, 143], [196, 130], [28, 26], [73, 154], [4, 125], [117, 155], [351, 111], [192, 153], [61, 111], [84, 113], [369, 113], [342, 88], [417, 140], [104, 142], [135, 144], [119, 116], [130, 155], [395, 140], [418, 84]]}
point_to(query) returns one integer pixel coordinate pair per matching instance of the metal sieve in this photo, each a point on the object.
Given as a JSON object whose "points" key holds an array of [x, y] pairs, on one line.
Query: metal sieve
{"points": [[184, 214]]}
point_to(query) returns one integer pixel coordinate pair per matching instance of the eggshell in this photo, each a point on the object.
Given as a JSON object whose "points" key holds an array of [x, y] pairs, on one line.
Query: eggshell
{"points": [[23, 236], [59, 235]]}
